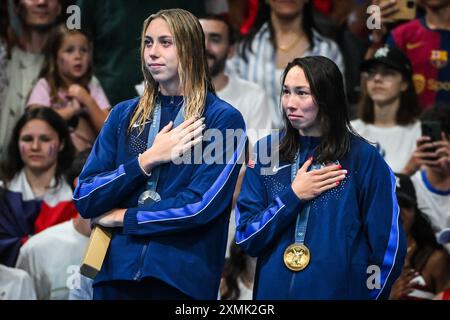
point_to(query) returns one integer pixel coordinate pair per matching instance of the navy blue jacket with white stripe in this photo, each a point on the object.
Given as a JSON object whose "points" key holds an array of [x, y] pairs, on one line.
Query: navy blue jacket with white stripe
{"points": [[354, 230], [181, 239]]}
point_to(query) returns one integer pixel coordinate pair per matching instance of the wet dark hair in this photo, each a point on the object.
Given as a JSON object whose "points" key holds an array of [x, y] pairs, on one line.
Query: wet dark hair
{"points": [[327, 89], [408, 111], [235, 266], [263, 16], [231, 31], [14, 163]]}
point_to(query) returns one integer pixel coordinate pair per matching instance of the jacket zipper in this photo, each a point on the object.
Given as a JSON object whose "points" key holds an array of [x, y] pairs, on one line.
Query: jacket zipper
{"points": [[141, 260]]}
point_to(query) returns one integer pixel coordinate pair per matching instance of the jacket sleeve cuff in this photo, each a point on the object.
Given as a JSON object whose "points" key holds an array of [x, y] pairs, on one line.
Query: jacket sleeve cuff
{"points": [[291, 201], [133, 169], [130, 224]]}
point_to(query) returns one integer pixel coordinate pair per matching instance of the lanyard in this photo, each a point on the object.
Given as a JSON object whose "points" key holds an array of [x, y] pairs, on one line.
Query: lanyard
{"points": [[152, 182], [302, 217]]}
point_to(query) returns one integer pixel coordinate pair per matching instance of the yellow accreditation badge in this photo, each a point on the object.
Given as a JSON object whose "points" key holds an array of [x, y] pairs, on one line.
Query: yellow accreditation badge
{"points": [[296, 257]]}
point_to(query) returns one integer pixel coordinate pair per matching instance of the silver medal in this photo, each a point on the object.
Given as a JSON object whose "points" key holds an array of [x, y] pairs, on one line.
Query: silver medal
{"points": [[148, 197]]}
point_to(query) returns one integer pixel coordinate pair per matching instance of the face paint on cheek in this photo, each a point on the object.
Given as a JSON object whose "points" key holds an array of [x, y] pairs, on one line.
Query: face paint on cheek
{"points": [[63, 63], [22, 148], [52, 150]]}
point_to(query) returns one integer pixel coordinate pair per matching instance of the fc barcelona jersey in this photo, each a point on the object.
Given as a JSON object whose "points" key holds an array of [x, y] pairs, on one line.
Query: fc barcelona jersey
{"points": [[428, 51]]}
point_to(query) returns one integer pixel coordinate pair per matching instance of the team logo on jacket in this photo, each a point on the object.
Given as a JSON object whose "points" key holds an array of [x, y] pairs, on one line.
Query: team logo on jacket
{"points": [[439, 58]]}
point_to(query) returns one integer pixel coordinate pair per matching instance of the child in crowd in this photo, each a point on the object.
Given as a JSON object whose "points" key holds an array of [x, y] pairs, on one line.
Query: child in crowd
{"points": [[67, 85]]}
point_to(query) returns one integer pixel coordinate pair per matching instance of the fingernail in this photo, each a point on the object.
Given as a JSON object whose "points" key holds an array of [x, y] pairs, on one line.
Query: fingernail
{"points": [[310, 158], [339, 167], [337, 183], [344, 171]]}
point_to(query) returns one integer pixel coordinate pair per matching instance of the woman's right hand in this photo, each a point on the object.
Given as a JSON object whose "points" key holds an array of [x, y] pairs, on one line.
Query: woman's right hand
{"points": [[425, 154], [308, 185], [171, 143]]}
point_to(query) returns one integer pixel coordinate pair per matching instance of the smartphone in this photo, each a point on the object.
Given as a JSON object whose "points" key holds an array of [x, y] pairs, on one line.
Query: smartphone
{"points": [[407, 9], [432, 129]]}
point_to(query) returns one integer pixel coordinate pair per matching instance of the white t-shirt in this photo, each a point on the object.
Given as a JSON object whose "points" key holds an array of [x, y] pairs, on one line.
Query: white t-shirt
{"points": [[433, 203], [251, 100], [396, 144], [15, 284], [52, 257]]}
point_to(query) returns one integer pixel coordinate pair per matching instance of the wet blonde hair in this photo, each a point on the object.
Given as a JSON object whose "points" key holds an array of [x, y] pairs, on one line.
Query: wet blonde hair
{"points": [[192, 68]]}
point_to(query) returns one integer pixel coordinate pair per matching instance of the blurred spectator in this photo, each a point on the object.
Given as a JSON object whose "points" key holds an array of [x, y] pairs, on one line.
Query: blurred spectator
{"points": [[39, 152], [36, 20], [432, 182], [52, 257], [249, 98], [4, 40], [67, 86], [425, 40], [336, 25], [283, 31], [113, 25], [15, 284], [389, 107], [427, 265], [238, 275]]}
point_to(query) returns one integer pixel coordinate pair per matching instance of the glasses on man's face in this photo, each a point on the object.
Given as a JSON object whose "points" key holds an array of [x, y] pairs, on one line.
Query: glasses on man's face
{"points": [[382, 71]]}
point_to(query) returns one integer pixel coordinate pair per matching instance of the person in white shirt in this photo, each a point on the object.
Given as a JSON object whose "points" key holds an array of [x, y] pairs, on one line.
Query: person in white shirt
{"points": [[53, 256], [15, 284], [389, 108], [432, 180], [282, 31], [248, 97]]}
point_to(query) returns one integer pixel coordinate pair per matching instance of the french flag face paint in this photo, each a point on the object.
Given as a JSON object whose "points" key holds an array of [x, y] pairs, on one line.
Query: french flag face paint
{"points": [[23, 148], [52, 150]]}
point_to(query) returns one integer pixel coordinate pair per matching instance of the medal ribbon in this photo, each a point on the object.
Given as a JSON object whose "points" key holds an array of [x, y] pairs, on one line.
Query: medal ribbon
{"points": [[152, 182], [302, 217]]}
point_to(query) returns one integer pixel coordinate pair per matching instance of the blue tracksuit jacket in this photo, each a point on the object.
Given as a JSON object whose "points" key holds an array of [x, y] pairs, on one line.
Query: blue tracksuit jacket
{"points": [[181, 239], [351, 227]]}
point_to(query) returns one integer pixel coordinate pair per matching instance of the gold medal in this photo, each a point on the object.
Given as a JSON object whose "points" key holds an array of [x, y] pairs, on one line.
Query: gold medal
{"points": [[296, 257]]}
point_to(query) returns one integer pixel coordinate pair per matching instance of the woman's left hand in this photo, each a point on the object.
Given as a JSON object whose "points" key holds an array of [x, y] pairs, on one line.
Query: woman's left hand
{"points": [[111, 219]]}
